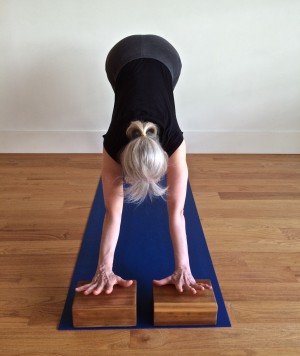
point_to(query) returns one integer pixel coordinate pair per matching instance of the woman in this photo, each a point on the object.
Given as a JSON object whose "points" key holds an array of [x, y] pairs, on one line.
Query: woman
{"points": [[143, 143]]}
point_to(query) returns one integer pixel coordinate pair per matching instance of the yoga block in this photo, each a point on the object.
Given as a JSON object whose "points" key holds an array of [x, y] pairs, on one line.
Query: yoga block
{"points": [[184, 308], [115, 309]]}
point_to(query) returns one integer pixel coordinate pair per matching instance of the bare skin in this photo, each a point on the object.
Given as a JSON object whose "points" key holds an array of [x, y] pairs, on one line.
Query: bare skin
{"points": [[177, 176], [183, 280]]}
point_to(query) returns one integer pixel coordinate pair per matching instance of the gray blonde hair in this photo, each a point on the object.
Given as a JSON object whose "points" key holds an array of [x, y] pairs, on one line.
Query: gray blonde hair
{"points": [[144, 162]]}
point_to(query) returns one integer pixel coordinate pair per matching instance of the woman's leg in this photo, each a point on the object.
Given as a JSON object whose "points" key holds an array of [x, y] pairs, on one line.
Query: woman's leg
{"points": [[142, 46]]}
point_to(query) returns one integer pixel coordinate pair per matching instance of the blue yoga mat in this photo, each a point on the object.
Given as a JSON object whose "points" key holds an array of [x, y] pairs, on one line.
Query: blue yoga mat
{"points": [[144, 252]]}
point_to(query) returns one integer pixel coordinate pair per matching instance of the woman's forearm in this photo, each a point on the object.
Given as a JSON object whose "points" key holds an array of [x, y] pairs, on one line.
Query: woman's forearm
{"points": [[109, 239], [179, 240]]}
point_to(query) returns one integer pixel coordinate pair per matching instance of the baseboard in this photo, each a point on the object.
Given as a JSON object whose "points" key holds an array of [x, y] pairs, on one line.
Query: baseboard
{"points": [[272, 142]]}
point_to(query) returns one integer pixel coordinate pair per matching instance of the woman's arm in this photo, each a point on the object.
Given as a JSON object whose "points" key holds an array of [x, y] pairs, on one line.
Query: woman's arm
{"points": [[177, 177], [113, 199]]}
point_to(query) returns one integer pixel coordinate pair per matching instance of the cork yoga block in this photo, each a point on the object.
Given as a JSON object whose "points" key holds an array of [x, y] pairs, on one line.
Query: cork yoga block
{"points": [[174, 308], [115, 309]]}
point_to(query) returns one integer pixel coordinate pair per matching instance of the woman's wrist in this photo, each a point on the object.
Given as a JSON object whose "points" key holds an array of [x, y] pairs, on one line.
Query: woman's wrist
{"points": [[183, 266], [182, 260], [104, 266]]}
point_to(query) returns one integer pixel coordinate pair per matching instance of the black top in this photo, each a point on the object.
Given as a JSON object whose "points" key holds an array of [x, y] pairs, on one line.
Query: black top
{"points": [[143, 92]]}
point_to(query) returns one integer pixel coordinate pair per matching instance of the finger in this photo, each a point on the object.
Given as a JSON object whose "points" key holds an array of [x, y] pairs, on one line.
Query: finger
{"points": [[204, 285], [198, 286], [91, 288], [208, 286], [179, 286], [81, 288], [190, 289], [109, 288], [162, 282], [99, 288], [124, 283]]}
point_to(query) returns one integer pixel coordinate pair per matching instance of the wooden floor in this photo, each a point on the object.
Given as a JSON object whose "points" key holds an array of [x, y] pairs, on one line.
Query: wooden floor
{"points": [[249, 206]]}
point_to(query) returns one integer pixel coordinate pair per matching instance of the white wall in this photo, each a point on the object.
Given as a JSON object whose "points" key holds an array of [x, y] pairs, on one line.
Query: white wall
{"points": [[239, 90]]}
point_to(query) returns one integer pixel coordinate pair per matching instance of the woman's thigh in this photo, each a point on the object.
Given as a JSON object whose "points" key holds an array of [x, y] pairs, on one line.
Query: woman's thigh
{"points": [[142, 46]]}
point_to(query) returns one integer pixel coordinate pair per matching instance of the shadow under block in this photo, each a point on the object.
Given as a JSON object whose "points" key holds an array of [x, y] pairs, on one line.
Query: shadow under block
{"points": [[115, 309], [174, 308]]}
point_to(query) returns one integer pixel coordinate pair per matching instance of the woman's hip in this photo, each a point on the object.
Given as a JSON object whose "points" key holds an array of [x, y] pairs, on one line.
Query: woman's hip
{"points": [[142, 46]]}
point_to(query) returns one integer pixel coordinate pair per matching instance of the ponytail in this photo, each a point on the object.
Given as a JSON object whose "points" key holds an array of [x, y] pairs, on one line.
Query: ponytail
{"points": [[144, 162]]}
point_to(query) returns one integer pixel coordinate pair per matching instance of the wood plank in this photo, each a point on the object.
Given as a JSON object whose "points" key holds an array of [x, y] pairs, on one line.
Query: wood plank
{"points": [[174, 308], [264, 310], [260, 195], [115, 309], [254, 253]]}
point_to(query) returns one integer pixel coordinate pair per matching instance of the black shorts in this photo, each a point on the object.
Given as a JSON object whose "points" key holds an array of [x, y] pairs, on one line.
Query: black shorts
{"points": [[142, 46]]}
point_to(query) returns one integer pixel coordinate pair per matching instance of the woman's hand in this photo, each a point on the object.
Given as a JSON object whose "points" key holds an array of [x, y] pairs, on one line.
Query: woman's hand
{"points": [[183, 280], [104, 279]]}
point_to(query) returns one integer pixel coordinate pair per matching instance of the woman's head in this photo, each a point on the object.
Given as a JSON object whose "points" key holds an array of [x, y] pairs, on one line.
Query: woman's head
{"points": [[144, 162]]}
